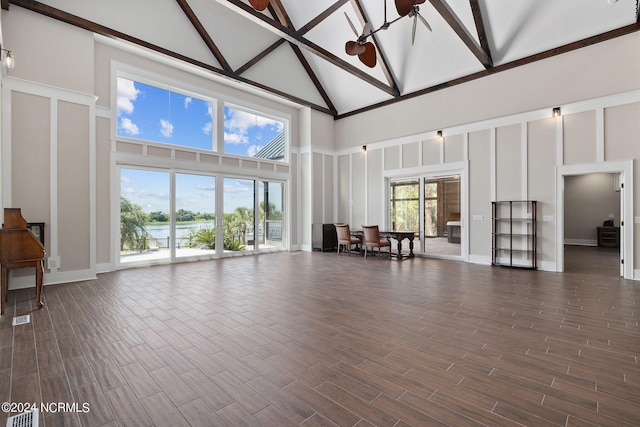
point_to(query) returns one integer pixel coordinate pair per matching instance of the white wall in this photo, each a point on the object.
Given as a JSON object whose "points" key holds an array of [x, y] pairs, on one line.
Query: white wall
{"points": [[58, 137], [501, 128]]}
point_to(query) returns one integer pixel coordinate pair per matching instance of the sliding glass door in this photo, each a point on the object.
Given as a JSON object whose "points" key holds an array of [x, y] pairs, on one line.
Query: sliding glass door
{"points": [[442, 226], [167, 215], [195, 215], [144, 215], [239, 219], [271, 207], [405, 207], [430, 206]]}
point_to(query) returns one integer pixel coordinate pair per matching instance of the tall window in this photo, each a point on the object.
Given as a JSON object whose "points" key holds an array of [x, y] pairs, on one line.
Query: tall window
{"points": [[405, 205], [144, 215], [431, 208], [442, 227], [195, 215], [271, 204], [239, 224], [253, 135], [159, 115]]}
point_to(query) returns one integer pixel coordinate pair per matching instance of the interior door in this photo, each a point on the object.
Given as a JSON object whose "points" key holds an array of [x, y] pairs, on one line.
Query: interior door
{"points": [[620, 179]]}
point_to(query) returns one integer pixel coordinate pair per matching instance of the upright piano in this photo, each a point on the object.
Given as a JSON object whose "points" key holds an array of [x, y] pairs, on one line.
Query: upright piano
{"points": [[19, 248]]}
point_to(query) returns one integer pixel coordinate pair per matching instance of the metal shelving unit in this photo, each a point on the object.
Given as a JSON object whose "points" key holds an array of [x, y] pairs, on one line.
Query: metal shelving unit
{"points": [[514, 233]]}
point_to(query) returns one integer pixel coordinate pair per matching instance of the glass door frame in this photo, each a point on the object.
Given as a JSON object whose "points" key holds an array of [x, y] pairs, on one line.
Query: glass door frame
{"points": [[434, 172], [219, 206]]}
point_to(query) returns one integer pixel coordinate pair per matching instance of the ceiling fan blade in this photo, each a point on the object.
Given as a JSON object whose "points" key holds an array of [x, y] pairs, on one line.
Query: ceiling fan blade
{"points": [[368, 57], [413, 29], [351, 24], [354, 48], [404, 6], [424, 21], [259, 5], [368, 28]]}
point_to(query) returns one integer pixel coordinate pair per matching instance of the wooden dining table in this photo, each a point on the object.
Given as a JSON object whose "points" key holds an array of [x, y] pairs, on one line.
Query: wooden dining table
{"points": [[398, 236]]}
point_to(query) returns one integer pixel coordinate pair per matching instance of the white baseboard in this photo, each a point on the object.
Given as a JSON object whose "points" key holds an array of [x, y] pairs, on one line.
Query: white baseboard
{"points": [[104, 268], [580, 242], [29, 281], [547, 266], [480, 259]]}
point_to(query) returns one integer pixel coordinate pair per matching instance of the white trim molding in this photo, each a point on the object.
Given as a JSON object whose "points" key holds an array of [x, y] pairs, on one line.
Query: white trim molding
{"points": [[625, 168]]}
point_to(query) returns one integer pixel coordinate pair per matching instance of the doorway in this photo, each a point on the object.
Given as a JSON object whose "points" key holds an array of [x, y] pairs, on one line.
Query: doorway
{"points": [[431, 205], [621, 175], [592, 207]]}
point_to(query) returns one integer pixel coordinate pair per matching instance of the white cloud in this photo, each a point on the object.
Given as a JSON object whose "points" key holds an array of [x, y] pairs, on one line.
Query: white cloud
{"points": [[129, 127], [187, 102], [208, 187], [235, 138], [127, 94], [238, 123], [253, 150], [166, 128], [207, 128]]}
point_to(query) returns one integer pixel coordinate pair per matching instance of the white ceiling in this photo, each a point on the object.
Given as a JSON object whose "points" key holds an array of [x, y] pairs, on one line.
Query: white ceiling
{"points": [[339, 84]]}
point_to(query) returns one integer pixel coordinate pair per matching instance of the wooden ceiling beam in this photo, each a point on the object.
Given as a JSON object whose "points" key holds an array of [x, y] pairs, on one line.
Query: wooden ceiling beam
{"points": [[253, 61], [277, 9], [458, 27], [93, 27], [204, 35], [480, 27], [618, 32], [292, 36], [384, 64], [324, 15]]}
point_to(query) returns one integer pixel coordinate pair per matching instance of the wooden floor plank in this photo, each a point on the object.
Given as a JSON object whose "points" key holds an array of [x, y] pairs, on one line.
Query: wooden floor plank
{"points": [[313, 339]]}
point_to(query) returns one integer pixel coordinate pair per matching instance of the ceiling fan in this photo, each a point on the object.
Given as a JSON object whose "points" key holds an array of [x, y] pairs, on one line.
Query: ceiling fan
{"points": [[259, 5], [362, 48], [365, 50]]}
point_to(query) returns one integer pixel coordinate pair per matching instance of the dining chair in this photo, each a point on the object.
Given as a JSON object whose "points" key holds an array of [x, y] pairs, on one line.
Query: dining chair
{"points": [[372, 240], [345, 238]]}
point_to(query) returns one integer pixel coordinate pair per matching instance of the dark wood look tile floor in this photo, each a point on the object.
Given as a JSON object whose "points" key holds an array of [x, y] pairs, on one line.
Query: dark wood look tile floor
{"points": [[318, 339]]}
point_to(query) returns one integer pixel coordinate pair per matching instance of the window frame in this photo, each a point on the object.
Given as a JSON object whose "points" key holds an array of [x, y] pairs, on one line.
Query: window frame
{"points": [[258, 111], [170, 86]]}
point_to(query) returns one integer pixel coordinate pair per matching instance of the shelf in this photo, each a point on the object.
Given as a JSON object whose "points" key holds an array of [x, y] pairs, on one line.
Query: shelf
{"points": [[514, 233]]}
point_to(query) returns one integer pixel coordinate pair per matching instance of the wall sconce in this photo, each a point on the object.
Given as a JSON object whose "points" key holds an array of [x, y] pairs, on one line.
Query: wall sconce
{"points": [[439, 135], [557, 112], [364, 148], [7, 59]]}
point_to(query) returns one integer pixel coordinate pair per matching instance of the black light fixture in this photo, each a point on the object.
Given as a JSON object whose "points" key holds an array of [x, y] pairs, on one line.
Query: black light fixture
{"points": [[7, 58], [364, 148], [557, 112], [439, 134]]}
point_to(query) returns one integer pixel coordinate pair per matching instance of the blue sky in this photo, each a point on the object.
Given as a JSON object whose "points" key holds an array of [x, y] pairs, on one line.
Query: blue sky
{"points": [[153, 114]]}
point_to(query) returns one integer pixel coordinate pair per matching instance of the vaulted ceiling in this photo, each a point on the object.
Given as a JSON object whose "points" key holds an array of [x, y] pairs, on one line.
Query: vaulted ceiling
{"points": [[295, 49]]}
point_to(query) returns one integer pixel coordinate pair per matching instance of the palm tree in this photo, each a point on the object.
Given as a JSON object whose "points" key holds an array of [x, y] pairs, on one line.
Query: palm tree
{"points": [[132, 224]]}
